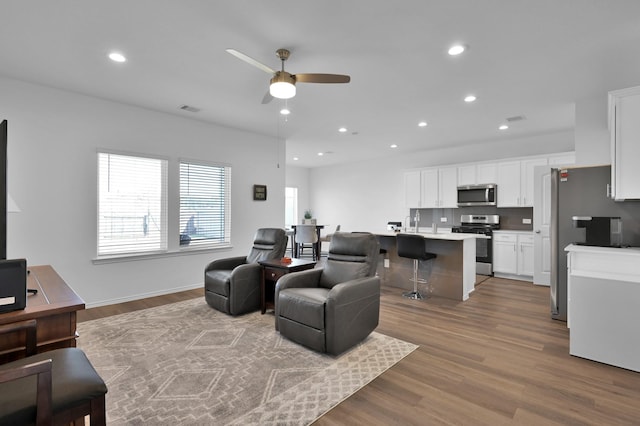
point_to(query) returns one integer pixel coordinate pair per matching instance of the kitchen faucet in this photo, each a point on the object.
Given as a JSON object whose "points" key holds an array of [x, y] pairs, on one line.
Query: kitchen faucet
{"points": [[417, 219], [404, 224]]}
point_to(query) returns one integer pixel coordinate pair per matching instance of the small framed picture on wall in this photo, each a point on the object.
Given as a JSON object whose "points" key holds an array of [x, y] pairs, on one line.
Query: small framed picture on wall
{"points": [[259, 192]]}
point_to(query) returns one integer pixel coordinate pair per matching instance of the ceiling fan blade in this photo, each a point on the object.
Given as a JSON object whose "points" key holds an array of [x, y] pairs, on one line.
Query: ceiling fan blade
{"points": [[322, 78], [267, 98], [251, 61]]}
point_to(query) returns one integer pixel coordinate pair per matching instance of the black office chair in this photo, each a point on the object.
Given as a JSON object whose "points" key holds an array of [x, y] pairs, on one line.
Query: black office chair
{"points": [[411, 246]]}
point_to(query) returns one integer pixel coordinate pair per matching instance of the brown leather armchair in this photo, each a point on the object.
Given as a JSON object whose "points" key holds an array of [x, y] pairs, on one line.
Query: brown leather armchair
{"points": [[232, 285], [330, 309]]}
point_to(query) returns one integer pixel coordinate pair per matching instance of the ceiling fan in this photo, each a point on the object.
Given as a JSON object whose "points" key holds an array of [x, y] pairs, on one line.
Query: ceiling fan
{"points": [[283, 84]]}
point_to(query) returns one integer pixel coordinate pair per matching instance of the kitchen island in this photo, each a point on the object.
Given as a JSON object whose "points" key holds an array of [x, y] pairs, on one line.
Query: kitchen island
{"points": [[452, 274]]}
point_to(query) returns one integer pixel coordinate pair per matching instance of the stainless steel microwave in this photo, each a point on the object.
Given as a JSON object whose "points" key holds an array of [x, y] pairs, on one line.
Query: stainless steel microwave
{"points": [[478, 195]]}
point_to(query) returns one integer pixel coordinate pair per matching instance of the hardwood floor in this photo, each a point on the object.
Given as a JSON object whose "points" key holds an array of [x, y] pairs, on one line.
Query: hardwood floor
{"points": [[497, 358]]}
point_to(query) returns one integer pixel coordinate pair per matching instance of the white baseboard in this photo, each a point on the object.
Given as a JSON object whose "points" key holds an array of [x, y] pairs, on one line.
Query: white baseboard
{"points": [[143, 296], [513, 276]]}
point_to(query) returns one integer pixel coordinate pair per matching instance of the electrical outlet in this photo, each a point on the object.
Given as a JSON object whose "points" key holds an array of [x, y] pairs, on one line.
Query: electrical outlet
{"points": [[526, 221], [386, 263], [443, 219]]}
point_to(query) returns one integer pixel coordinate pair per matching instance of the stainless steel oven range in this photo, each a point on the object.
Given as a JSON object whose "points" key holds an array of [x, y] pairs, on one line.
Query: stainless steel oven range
{"points": [[480, 224]]}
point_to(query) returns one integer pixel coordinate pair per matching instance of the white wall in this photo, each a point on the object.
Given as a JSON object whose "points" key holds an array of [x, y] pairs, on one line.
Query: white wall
{"points": [[365, 196], [592, 138], [298, 177], [53, 139]]}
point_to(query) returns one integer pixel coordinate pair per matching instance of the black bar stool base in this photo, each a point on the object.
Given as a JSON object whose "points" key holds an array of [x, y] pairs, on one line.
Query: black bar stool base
{"points": [[415, 295]]}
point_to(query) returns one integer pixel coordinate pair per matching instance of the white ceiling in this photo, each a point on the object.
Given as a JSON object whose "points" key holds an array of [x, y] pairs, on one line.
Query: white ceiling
{"points": [[527, 57]]}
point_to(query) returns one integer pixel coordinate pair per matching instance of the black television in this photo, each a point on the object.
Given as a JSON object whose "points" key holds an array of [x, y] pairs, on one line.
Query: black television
{"points": [[3, 190]]}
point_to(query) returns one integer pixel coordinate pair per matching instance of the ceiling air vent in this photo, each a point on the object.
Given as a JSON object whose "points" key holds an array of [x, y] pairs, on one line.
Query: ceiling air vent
{"points": [[189, 108], [516, 118]]}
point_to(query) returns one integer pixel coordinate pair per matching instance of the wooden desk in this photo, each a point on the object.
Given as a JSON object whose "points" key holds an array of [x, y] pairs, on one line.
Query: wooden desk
{"points": [[272, 270], [54, 308]]}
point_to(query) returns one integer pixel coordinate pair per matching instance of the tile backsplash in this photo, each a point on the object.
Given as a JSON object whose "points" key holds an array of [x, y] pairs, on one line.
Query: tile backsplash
{"points": [[510, 218]]}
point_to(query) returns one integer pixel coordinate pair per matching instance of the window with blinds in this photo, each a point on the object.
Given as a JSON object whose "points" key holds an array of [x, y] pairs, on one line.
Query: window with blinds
{"points": [[205, 204], [132, 206]]}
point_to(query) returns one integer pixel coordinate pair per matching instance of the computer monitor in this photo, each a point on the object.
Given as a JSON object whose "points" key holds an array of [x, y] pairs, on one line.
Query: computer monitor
{"points": [[3, 190], [13, 284]]}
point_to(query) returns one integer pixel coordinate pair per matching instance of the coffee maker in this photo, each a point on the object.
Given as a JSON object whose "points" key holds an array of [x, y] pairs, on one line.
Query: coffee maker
{"points": [[600, 231]]}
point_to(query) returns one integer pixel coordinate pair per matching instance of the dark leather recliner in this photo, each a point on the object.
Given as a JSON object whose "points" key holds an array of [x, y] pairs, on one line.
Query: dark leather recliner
{"points": [[232, 285], [330, 309]]}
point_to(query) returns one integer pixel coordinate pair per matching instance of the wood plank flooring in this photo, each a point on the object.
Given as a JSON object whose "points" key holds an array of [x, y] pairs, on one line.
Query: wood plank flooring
{"points": [[496, 359]]}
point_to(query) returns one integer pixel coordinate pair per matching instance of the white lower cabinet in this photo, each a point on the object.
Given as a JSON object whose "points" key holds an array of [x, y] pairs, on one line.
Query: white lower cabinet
{"points": [[525, 255], [513, 254], [602, 302]]}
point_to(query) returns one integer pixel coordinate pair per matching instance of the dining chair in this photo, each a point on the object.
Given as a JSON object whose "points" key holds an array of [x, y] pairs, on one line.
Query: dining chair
{"points": [[327, 237], [307, 236]]}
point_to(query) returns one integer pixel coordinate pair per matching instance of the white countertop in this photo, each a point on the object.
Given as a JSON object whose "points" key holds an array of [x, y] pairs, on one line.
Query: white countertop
{"points": [[625, 251], [449, 236], [500, 231]]}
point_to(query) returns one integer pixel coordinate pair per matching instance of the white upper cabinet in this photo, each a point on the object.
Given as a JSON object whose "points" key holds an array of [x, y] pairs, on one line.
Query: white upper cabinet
{"points": [[440, 187], [564, 159], [448, 186], [624, 125], [412, 194], [509, 184], [515, 182], [467, 175], [437, 187], [473, 174], [487, 173], [430, 191]]}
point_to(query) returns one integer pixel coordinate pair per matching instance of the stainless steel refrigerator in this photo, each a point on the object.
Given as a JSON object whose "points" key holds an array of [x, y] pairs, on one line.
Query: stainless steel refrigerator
{"points": [[582, 191]]}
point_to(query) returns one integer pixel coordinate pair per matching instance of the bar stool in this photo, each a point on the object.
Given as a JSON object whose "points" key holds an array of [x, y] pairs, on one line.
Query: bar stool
{"points": [[412, 247]]}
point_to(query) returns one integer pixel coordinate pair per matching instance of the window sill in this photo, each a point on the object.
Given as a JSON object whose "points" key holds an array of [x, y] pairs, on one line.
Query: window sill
{"points": [[183, 251]]}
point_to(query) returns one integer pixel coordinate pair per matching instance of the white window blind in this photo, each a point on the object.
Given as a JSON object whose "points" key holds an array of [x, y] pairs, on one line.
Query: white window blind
{"points": [[132, 206], [205, 204]]}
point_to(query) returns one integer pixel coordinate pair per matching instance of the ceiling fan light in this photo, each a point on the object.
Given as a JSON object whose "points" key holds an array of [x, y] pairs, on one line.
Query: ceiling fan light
{"points": [[282, 90], [282, 86]]}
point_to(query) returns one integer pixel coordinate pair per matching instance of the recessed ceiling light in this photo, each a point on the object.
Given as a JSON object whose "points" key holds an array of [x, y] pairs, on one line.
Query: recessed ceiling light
{"points": [[117, 57], [320, 154], [394, 145], [457, 49], [285, 111], [295, 158], [503, 127], [342, 129], [422, 124], [470, 98]]}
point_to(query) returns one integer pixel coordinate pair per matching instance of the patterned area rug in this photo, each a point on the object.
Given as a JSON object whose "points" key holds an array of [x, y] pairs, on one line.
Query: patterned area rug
{"points": [[186, 363]]}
